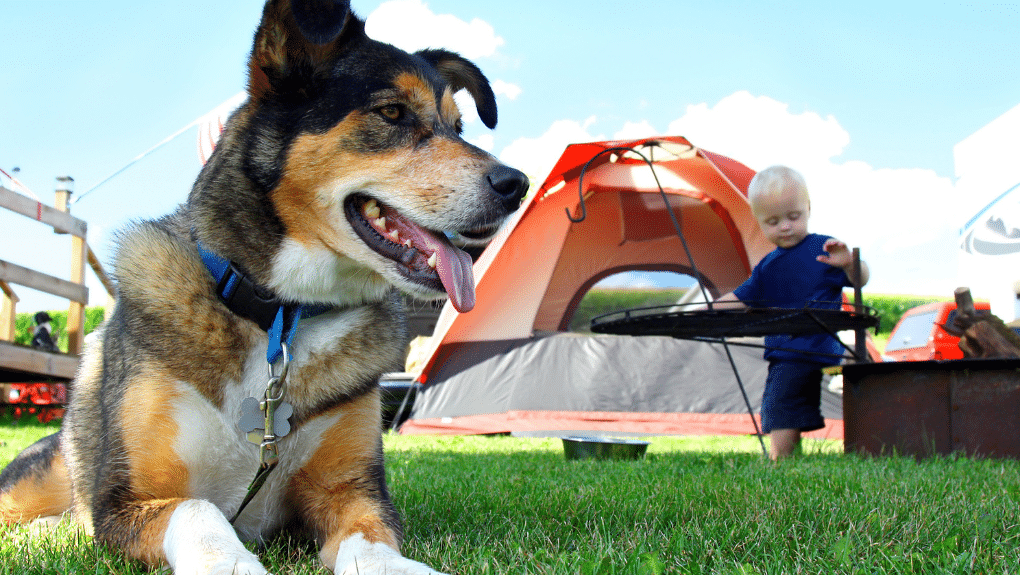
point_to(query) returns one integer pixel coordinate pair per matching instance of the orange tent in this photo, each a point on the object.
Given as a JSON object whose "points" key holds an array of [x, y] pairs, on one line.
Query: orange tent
{"points": [[530, 279]]}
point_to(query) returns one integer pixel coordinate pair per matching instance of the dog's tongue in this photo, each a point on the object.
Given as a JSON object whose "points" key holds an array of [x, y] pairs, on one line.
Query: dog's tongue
{"points": [[452, 264], [454, 267]]}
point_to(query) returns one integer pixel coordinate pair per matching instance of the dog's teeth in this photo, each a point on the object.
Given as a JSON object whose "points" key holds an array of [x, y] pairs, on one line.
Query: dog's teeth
{"points": [[407, 243], [432, 260], [372, 209], [394, 236], [380, 223]]}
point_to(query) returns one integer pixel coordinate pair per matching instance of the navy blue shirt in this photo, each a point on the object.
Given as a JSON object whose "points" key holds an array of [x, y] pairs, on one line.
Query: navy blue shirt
{"points": [[793, 278]]}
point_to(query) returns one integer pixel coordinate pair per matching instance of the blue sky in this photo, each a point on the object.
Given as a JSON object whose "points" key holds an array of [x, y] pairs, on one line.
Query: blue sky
{"points": [[867, 99]]}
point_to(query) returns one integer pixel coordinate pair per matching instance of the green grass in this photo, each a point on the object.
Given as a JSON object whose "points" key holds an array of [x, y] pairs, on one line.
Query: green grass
{"points": [[498, 505], [605, 300], [16, 435]]}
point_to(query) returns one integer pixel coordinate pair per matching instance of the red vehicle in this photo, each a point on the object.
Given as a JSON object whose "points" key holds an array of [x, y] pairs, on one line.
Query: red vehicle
{"points": [[919, 335], [44, 400]]}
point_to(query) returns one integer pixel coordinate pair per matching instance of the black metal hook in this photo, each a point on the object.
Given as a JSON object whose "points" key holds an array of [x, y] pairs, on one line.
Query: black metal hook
{"points": [[580, 179]]}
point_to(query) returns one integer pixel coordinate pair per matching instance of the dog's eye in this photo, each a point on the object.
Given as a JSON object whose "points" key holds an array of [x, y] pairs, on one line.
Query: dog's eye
{"points": [[392, 113]]}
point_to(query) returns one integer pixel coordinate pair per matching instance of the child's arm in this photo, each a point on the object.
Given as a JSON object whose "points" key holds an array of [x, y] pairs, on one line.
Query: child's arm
{"points": [[728, 301], [839, 256]]}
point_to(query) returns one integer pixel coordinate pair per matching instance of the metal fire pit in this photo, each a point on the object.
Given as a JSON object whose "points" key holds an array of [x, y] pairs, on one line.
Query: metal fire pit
{"points": [[603, 448], [924, 408]]}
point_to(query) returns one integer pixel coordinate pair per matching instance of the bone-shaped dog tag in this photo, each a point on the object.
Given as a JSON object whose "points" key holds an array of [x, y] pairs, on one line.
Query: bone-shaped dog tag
{"points": [[281, 422], [253, 420], [251, 415]]}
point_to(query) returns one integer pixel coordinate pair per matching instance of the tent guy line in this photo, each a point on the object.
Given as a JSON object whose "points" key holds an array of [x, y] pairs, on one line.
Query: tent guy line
{"points": [[215, 114]]}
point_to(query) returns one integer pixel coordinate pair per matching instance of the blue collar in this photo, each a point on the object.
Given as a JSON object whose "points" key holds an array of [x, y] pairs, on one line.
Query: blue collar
{"points": [[278, 318]]}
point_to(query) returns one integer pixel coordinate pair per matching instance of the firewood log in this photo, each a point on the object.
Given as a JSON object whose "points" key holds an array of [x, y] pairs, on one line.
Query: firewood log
{"points": [[982, 335]]}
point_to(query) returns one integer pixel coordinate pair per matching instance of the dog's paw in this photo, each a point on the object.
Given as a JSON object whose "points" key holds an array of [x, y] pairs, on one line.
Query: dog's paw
{"points": [[200, 541], [401, 566], [357, 556], [235, 566]]}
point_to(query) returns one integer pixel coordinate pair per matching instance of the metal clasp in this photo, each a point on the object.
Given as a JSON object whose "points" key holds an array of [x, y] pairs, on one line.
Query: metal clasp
{"points": [[275, 390]]}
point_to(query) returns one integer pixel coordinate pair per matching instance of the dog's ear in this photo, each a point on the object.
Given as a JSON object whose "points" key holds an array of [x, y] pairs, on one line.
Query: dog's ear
{"points": [[296, 37], [460, 73], [321, 21]]}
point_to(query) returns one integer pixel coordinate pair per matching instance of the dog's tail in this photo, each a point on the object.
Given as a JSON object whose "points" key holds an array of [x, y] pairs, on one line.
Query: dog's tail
{"points": [[36, 484]]}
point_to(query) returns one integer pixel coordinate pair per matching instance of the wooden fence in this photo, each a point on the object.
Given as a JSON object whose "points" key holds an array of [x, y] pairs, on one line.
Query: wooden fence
{"points": [[25, 359]]}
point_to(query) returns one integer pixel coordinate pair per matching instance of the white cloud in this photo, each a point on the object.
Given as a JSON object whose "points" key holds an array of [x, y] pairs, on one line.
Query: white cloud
{"points": [[506, 89], [631, 280], [484, 141], [536, 156], [635, 130], [760, 132], [896, 216], [411, 25], [644, 280], [468, 110]]}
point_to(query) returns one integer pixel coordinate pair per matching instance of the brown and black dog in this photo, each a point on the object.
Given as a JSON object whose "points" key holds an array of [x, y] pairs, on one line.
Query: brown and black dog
{"points": [[266, 301]]}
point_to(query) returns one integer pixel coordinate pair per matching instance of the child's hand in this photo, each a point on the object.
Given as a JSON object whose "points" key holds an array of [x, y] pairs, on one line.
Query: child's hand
{"points": [[839, 256], [836, 254]]}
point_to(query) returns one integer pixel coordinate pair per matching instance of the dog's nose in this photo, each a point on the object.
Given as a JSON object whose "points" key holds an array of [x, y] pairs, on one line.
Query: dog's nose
{"points": [[509, 184]]}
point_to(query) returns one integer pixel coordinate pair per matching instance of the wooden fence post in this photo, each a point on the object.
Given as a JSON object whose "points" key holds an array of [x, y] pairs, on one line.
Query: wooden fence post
{"points": [[76, 310], [65, 187], [8, 312], [79, 255]]}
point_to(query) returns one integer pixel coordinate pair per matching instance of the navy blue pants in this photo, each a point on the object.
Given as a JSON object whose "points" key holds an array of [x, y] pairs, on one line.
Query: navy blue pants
{"points": [[793, 397]]}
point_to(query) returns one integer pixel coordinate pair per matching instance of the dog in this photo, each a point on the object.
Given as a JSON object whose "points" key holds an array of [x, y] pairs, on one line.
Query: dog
{"points": [[237, 374], [43, 334]]}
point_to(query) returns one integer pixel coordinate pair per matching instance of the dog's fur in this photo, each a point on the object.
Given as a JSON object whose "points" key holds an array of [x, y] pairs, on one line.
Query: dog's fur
{"points": [[150, 457]]}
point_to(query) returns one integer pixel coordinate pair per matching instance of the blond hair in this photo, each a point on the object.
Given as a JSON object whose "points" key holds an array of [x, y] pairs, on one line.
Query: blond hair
{"points": [[775, 180]]}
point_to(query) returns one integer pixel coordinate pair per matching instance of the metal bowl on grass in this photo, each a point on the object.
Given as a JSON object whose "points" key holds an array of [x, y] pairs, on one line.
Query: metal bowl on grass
{"points": [[603, 448]]}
